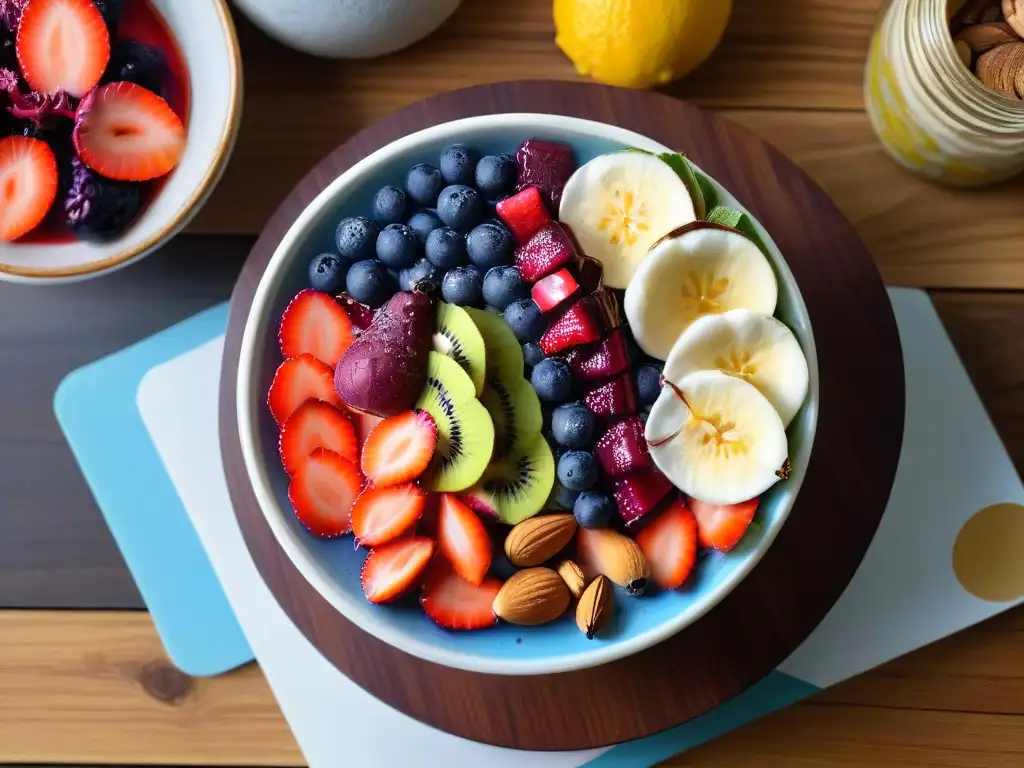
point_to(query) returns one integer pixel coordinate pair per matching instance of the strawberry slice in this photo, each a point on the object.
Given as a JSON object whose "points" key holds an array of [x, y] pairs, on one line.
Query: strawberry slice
{"points": [[453, 603], [575, 327], [722, 527], [323, 491], [315, 323], [524, 214], [28, 185], [63, 45], [399, 448], [127, 133], [389, 571], [380, 515], [297, 380], [316, 424], [462, 539], [669, 543], [547, 251], [552, 290]]}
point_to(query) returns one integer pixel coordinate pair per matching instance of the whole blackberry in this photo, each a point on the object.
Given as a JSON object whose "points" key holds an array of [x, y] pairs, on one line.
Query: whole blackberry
{"points": [[97, 208]]}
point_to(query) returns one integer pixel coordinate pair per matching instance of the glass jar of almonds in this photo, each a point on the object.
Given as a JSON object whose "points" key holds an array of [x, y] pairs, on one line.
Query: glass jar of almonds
{"points": [[944, 88]]}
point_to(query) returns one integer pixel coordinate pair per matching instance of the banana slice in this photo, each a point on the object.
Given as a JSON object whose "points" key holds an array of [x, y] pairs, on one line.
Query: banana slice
{"points": [[721, 441], [751, 346], [619, 204], [700, 269]]}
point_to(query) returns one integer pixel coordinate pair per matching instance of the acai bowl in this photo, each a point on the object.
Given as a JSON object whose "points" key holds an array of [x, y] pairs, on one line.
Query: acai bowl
{"points": [[522, 394]]}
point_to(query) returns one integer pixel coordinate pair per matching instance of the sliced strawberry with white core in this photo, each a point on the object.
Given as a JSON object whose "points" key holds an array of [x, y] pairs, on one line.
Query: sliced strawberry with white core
{"points": [[382, 514], [63, 45], [462, 539], [316, 424], [128, 133], [670, 545], [322, 493], [316, 323], [399, 448], [297, 380], [722, 527], [389, 571], [28, 185], [454, 603]]}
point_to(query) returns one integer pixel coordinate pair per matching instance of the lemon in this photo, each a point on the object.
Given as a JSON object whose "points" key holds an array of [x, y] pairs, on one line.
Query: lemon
{"points": [[639, 43]]}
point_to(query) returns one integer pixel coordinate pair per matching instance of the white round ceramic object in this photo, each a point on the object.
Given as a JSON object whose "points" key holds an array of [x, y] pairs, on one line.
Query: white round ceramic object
{"points": [[206, 37], [348, 29]]}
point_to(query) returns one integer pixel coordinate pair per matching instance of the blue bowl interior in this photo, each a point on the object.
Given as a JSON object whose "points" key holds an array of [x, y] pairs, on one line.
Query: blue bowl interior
{"points": [[632, 616]]}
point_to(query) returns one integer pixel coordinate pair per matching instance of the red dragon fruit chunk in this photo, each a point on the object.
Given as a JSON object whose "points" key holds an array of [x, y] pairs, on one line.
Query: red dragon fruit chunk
{"points": [[550, 291], [614, 398], [638, 493], [547, 251], [622, 448], [546, 165], [609, 359]]}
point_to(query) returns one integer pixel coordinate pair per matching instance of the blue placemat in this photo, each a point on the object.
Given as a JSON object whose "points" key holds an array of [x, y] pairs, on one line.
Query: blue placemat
{"points": [[96, 409]]}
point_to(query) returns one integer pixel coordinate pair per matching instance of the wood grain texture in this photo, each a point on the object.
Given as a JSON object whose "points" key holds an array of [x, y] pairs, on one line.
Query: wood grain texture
{"points": [[851, 468]]}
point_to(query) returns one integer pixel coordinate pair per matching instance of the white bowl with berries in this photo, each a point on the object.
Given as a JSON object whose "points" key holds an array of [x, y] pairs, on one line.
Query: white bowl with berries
{"points": [[117, 119], [554, 382]]}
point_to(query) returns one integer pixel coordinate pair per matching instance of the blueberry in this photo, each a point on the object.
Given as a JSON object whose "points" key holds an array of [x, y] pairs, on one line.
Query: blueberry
{"points": [[564, 498], [577, 470], [501, 566], [389, 205], [458, 163], [594, 509], [460, 207], [495, 175], [368, 282], [573, 425], [423, 223], [490, 245], [421, 270], [526, 320], [532, 353], [648, 384], [552, 380], [397, 246], [503, 285], [96, 208], [424, 183], [462, 286], [356, 238], [138, 63], [445, 248], [327, 272]]}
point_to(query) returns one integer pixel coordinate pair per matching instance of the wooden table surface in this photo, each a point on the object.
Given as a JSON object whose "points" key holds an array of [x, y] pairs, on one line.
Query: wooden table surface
{"points": [[92, 685]]}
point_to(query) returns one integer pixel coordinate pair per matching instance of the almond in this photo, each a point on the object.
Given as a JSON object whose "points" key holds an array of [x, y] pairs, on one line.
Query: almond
{"points": [[1013, 12], [532, 596], [984, 37], [538, 539], [572, 575], [997, 69], [595, 607], [618, 557]]}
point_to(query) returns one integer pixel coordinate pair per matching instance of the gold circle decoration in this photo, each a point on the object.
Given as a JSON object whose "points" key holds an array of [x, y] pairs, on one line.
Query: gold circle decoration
{"points": [[988, 555]]}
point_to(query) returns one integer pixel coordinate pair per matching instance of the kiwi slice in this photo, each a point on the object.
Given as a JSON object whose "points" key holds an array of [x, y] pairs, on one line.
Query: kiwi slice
{"points": [[504, 355], [515, 411], [465, 432], [456, 335], [517, 486]]}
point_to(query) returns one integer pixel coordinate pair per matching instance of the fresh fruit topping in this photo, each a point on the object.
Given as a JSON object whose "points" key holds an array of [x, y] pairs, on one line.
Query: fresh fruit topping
{"points": [[552, 380], [397, 246], [297, 380], [577, 470], [391, 570], [369, 283], [573, 425], [618, 557], [526, 320], [454, 603], [380, 515], [389, 205], [638, 493], [619, 204], [399, 448], [545, 252], [609, 359], [594, 509], [648, 383], [462, 286], [458, 164], [551, 291], [697, 270], [495, 175], [423, 184], [517, 486], [360, 314], [575, 327], [316, 424], [532, 354], [445, 248], [504, 355], [28, 185], [622, 448], [525, 214], [98, 209], [669, 543], [722, 527], [465, 432], [327, 273], [421, 271], [539, 539], [562, 498], [423, 223], [462, 539], [546, 165], [613, 398], [314, 323], [750, 346], [515, 411], [717, 438], [356, 238], [322, 492], [503, 285], [456, 335], [489, 245], [135, 62], [63, 45], [383, 371], [531, 597], [460, 207]]}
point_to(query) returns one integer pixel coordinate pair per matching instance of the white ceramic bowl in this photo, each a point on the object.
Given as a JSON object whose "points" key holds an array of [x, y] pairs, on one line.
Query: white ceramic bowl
{"points": [[332, 567], [205, 34]]}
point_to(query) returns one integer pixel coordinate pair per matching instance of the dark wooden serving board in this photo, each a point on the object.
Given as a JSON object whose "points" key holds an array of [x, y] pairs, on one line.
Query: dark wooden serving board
{"points": [[769, 614]]}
